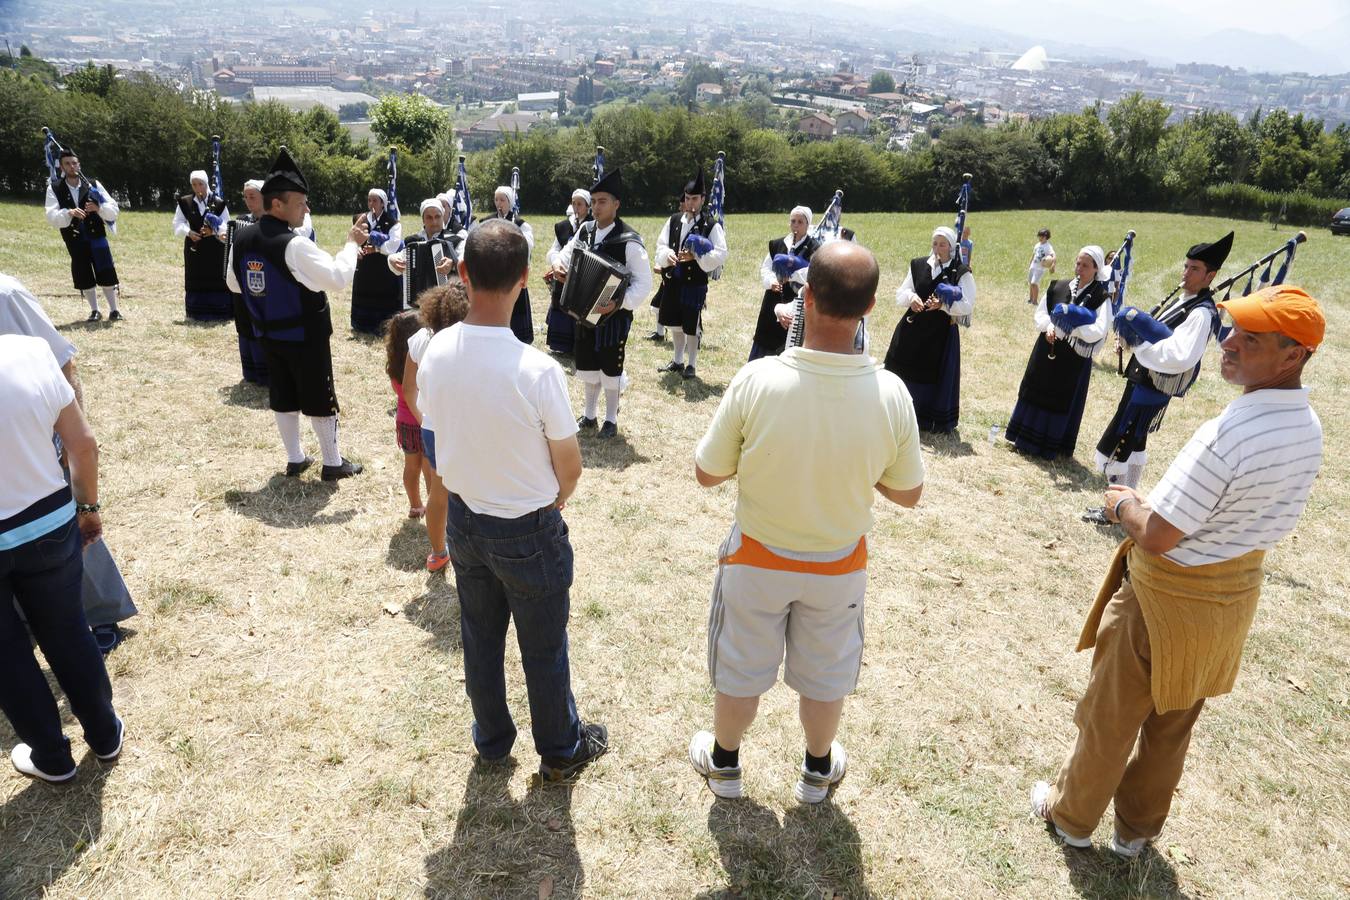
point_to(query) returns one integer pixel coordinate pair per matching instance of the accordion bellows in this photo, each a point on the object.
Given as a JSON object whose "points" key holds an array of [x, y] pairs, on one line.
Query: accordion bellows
{"points": [[592, 279]]}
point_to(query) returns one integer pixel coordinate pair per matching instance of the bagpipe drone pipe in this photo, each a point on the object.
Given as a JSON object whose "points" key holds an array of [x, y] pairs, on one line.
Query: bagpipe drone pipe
{"points": [[1133, 326]]}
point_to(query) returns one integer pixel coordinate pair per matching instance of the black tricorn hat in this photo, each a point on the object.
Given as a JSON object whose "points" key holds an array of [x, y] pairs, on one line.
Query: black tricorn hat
{"points": [[610, 183], [695, 184], [285, 176], [1212, 255]]}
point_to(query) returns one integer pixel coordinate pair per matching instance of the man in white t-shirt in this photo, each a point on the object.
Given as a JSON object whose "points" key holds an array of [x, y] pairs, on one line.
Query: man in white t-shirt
{"points": [[1171, 619], [507, 451], [808, 436]]}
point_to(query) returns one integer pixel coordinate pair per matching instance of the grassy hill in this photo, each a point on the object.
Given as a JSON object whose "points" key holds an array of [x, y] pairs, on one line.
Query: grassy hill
{"points": [[293, 693]]}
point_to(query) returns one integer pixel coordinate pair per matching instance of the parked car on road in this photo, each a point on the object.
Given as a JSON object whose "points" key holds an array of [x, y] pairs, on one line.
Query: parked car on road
{"points": [[1340, 223]]}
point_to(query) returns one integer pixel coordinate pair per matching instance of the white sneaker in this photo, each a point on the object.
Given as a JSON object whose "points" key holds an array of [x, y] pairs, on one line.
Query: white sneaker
{"points": [[1040, 809], [1127, 849], [724, 781], [121, 732], [22, 758], [813, 787]]}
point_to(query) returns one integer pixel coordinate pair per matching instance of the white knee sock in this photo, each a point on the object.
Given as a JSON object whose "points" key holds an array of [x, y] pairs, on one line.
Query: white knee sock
{"points": [[691, 342], [110, 294], [592, 393], [677, 338], [1133, 475], [288, 423], [325, 429], [91, 297], [612, 405], [657, 326]]}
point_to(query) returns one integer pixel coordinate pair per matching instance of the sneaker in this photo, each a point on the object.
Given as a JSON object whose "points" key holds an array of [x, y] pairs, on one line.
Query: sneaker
{"points": [[346, 470], [688, 372], [437, 561], [115, 316], [1096, 515], [293, 470], [1040, 809], [608, 430], [586, 424], [116, 751], [22, 758], [1127, 849], [724, 781], [94, 316], [594, 744], [671, 366], [107, 637], [813, 787]]}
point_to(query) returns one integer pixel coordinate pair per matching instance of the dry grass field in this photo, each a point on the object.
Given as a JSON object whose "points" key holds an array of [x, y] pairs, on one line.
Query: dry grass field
{"points": [[293, 689]]}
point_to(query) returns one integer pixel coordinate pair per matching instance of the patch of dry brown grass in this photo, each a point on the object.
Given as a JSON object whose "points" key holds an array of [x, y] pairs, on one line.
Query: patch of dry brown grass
{"points": [[289, 736]]}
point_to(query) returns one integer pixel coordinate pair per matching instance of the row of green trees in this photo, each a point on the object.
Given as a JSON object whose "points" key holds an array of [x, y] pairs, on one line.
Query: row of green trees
{"points": [[141, 137]]}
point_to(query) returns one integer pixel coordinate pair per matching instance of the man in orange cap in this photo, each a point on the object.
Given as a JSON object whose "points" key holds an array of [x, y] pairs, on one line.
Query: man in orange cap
{"points": [[1170, 621]]}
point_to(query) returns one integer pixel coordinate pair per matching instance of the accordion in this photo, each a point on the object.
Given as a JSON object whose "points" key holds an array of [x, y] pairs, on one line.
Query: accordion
{"points": [[421, 257], [592, 279]]}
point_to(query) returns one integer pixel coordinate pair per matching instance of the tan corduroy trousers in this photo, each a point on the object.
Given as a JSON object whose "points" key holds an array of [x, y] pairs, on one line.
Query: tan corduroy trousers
{"points": [[1115, 717]]}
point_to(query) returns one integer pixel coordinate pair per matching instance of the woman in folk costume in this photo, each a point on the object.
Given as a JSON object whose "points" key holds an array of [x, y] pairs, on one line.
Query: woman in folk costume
{"points": [[377, 293], [200, 214], [783, 273], [522, 321], [433, 232], [937, 295], [1073, 319], [562, 328]]}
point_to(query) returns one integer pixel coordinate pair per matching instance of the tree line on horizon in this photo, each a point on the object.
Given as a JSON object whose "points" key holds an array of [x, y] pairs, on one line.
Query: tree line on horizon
{"points": [[140, 137]]}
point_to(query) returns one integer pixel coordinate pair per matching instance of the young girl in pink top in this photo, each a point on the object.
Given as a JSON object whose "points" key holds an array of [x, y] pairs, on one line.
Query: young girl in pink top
{"points": [[409, 431]]}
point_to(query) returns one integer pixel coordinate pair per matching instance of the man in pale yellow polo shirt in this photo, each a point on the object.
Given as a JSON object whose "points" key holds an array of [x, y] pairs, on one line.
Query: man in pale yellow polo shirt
{"points": [[808, 435]]}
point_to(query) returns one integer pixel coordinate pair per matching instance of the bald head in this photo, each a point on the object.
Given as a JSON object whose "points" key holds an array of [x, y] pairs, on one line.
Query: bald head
{"points": [[843, 279]]}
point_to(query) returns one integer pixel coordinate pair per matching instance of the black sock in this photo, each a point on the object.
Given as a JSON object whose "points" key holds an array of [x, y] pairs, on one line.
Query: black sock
{"points": [[818, 764], [724, 758]]}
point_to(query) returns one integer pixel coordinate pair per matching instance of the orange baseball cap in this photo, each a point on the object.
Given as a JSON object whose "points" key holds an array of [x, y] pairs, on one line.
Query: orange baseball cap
{"points": [[1284, 308]]}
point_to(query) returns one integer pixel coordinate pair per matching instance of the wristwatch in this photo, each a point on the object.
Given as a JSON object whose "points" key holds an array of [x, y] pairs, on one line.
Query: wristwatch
{"points": [[86, 508]]}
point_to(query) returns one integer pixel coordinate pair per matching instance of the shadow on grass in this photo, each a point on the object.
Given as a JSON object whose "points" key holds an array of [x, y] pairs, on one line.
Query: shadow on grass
{"points": [[1099, 874], [504, 847], [948, 444], [409, 546], [361, 337], [245, 394], [289, 502], [46, 828], [1066, 473], [611, 453], [203, 323], [815, 852], [437, 612], [693, 390], [85, 325]]}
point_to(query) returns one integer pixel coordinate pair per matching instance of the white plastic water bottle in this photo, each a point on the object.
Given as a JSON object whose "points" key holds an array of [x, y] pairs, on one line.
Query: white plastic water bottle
{"points": [[993, 432]]}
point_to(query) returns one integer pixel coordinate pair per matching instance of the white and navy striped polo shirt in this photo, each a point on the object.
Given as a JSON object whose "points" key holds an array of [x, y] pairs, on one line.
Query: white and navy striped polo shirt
{"points": [[1241, 482]]}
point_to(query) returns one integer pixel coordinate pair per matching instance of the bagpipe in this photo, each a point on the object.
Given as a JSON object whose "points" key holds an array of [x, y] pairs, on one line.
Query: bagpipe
{"points": [[515, 192], [598, 165], [461, 208], [1068, 317], [953, 293], [392, 168], [826, 230], [52, 150], [711, 214], [1134, 326], [215, 187]]}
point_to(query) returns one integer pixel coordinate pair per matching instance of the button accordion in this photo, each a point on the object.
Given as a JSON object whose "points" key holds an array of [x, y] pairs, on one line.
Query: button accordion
{"points": [[592, 279], [421, 258]]}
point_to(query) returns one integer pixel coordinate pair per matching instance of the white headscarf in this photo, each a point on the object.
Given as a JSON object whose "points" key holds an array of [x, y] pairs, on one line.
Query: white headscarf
{"points": [[505, 190], [801, 210], [949, 234], [1099, 257], [378, 192], [197, 174], [447, 199], [583, 194], [429, 203], [254, 183]]}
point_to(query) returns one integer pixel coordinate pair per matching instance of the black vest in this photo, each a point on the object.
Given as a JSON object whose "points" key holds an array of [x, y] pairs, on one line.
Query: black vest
{"points": [[188, 204], [1172, 317], [203, 260], [564, 231], [690, 273], [279, 305], [92, 225], [373, 284], [769, 335]]}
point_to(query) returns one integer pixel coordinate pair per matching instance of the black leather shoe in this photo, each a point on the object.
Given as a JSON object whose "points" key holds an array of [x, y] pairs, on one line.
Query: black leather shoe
{"points": [[688, 372], [656, 336], [608, 430], [671, 366], [346, 470], [107, 637], [293, 470], [95, 316], [586, 424], [1096, 515], [594, 744], [115, 316]]}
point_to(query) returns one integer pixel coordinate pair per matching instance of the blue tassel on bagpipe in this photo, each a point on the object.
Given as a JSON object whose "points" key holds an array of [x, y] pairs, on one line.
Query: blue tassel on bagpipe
{"points": [[786, 264], [215, 221], [1068, 316], [1288, 261], [613, 330], [947, 294], [698, 245], [1135, 327]]}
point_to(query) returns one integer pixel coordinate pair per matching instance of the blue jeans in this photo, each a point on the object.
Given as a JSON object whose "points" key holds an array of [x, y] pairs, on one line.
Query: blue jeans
{"points": [[43, 576], [519, 568]]}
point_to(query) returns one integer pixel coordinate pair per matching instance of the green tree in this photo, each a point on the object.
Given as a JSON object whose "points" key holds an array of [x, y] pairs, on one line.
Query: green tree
{"points": [[409, 121], [882, 83], [350, 112], [92, 79], [696, 74], [1137, 127]]}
